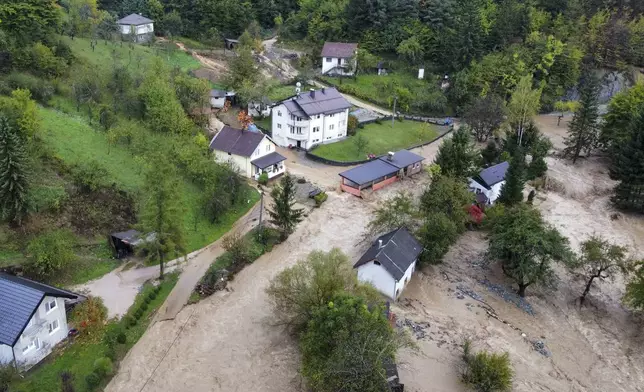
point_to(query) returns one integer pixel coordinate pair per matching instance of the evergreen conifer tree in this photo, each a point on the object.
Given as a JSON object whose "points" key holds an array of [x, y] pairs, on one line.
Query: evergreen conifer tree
{"points": [[512, 190], [283, 215], [13, 174], [629, 169], [583, 131]]}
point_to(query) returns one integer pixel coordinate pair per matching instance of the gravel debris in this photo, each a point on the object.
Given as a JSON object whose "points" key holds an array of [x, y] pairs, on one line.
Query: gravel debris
{"points": [[540, 347], [469, 292], [417, 329], [509, 296]]}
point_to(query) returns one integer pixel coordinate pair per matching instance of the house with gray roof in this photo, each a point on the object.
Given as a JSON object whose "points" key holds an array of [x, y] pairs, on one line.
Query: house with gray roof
{"points": [[250, 152], [33, 320], [337, 58], [488, 183], [136, 27], [310, 118], [390, 262]]}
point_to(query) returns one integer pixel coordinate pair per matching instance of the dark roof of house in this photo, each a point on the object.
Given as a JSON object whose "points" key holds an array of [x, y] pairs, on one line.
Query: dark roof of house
{"points": [[369, 172], [268, 160], [127, 236], [19, 300], [214, 93], [325, 100], [398, 251], [339, 49], [236, 141], [134, 19], [492, 175], [403, 158]]}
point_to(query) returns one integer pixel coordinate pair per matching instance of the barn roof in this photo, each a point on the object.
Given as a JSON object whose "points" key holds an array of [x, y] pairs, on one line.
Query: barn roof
{"points": [[134, 19], [339, 49], [236, 141], [398, 251], [19, 300], [492, 175]]}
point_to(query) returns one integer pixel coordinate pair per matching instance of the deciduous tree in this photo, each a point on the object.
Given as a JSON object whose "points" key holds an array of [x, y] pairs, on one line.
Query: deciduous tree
{"points": [[449, 196], [524, 104], [601, 260], [525, 246], [162, 212], [485, 115], [456, 156], [400, 210]]}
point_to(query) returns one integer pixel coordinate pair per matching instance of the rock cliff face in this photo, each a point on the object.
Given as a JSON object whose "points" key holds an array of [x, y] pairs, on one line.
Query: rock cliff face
{"points": [[612, 83]]}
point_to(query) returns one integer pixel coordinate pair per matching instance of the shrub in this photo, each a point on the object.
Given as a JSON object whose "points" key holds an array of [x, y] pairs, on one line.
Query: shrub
{"points": [[111, 334], [320, 198], [66, 380], [92, 380], [121, 338], [152, 295], [487, 372], [238, 247], [352, 124], [41, 90], [157, 289], [89, 177], [263, 179], [147, 300], [132, 322], [378, 121], [138, 314], [52, 251], [103, 367], [143, 307], [89, 317]]}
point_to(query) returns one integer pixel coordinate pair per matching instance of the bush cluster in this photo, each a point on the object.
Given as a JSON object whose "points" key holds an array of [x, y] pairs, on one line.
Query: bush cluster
{"points": [[320, 198]]}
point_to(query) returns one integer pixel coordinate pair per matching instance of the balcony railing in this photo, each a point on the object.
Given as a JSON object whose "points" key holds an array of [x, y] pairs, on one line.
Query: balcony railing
{"points": [[298, 136]]}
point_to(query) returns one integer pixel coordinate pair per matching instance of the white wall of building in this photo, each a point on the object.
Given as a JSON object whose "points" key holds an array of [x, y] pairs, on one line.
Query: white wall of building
{"points": [[400, 285], [140, 29], [36, 341], [491, 194], [319, 129], [379, 278], [6, 354], [217, 103], [243, 164], [328, 63]]}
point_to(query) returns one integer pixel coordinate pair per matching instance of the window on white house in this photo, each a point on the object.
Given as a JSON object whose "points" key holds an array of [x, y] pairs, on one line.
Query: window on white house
{"points": [[290, 127], [318, 116], [53, 326], [342, 123], [279, 126], [34, 343], [279, 113], [316, 129], [51, 305], [329, 59], [339, 135], [332, 115], [299, 130], [376, 262], [332, 126], [268, 147]]}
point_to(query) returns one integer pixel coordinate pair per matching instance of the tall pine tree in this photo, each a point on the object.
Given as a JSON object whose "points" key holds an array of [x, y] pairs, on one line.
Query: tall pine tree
{"points": [[456, 156], [13, 174], [512, 190], [283, 214], [583, 131], [629, 169]]}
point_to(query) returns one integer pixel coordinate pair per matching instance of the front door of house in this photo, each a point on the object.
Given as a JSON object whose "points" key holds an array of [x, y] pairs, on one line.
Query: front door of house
{"points": [[299, 144], [339, 61]]}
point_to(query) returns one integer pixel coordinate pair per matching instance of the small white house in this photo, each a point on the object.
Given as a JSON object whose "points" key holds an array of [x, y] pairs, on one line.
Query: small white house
{"points": [[390, 262], [337, 57], [32, 320], [135, 24], [310, 118], [252, 153], [218, 98], [487, 185]]}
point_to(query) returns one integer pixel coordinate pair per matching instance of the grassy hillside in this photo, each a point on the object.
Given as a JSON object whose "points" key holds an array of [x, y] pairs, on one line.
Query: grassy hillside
{"points": [[106, 52]]}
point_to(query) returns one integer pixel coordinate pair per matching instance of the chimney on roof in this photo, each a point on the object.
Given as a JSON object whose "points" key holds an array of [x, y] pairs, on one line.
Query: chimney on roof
{"points": [[379, 244], [312, 93], [390, 156], [323, 90]]}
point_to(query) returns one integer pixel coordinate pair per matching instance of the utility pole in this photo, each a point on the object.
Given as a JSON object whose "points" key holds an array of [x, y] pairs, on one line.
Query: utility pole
{"points": [[261, 210], [393, 114]]}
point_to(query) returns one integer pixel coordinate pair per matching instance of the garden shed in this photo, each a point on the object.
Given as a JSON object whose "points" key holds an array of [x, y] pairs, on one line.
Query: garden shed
{"points": [[125, 243], [380, 172]]}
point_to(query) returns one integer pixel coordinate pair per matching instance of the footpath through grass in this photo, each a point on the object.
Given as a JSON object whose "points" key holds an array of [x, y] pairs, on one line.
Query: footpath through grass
{"points": [[74, 141], [381, 138], [79, 357]]}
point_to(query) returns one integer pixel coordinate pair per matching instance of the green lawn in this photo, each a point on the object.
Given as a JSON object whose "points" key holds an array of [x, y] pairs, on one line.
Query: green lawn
{"points": [[79, 356], [280, 92], [264, 122], [381, 139], [126, 52], [74, 141]]}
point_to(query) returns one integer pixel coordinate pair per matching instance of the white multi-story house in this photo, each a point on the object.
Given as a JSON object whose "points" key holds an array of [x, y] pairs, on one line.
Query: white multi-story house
{"points": [[487, 185], [251, 153], [32, 320], [337, 58], [135, 24], [390, 262], [310, 118]]}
